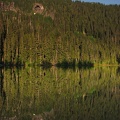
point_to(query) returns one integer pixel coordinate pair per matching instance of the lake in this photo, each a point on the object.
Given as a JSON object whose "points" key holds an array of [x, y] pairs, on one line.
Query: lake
{"points": [[60, 94]]}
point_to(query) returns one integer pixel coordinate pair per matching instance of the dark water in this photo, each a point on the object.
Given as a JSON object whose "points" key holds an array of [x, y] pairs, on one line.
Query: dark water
{"points": [[56, 94]]}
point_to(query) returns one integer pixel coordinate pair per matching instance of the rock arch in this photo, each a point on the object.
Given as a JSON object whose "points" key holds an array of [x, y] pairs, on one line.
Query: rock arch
{"points": [[38, 8]]}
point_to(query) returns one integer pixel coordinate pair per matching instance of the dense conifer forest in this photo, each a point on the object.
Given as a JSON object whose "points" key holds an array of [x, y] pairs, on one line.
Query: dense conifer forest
{"points": [[64, 32]]}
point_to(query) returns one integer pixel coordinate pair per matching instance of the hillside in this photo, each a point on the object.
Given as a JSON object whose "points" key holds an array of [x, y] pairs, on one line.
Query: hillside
{"points": [[50, 31]]}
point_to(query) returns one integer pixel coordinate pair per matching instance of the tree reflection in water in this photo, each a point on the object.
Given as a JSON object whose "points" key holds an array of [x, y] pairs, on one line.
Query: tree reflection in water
{"points": [[2, 92], [56, 94]]}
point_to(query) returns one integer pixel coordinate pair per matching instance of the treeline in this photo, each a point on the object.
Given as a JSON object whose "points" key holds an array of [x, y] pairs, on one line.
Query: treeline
{"points": [[80, 32]]}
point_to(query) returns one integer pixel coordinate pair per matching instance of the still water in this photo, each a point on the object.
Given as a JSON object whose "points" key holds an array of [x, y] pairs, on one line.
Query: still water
{"points": [[57, 94]]}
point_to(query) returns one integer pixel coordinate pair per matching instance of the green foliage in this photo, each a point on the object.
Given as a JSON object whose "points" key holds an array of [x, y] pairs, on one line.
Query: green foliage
{"points": [[91, 38], [79, 31]]}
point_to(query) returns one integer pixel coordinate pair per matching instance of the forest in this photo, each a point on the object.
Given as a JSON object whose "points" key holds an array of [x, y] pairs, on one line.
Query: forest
{"points": [[67, 33]]}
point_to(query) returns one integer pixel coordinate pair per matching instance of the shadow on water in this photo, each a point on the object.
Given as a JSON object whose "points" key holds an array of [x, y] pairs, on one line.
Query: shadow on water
{"points": [[72, 65], [66, 65], [10, 65], [85, 64], [47, 65]]}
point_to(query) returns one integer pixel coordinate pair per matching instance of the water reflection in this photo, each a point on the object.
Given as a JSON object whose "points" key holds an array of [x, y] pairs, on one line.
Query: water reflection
{"points": [[56, 94], [118, 71], [2, 93]]}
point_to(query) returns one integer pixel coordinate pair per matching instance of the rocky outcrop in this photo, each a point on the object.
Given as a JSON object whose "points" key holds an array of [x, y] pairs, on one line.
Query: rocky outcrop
{"points": [[9, 7], [38, 8]]}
